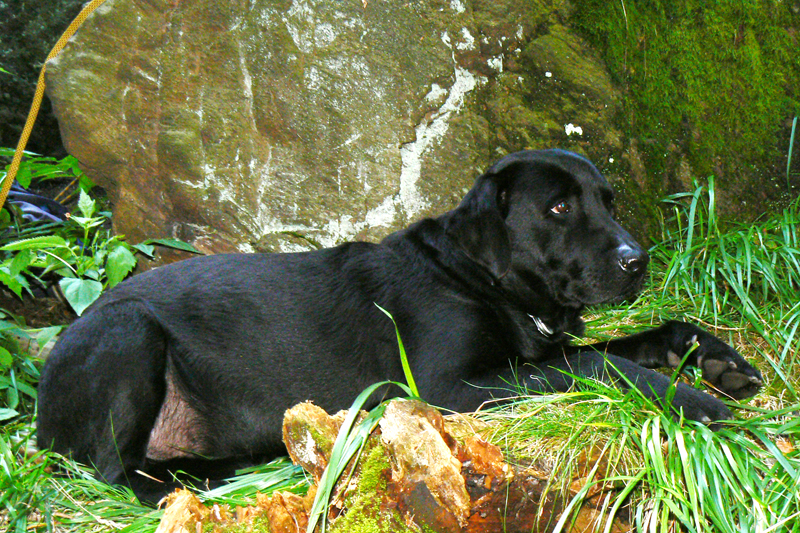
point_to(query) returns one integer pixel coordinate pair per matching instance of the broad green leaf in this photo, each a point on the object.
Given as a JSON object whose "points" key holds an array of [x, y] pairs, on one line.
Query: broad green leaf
{"points": [[36, 243], [24, 175], [20, 262], [80, 293], [92, 273], [12, 282], [100, 256], [45, 335], [88, 222], [119, 264], [7, 414], [86, 205], [5, 358], [174, 243], [146, 249]]}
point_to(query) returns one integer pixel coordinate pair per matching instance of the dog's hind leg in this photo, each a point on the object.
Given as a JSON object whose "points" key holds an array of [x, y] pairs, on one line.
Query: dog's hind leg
{"points": [[102, 388]]}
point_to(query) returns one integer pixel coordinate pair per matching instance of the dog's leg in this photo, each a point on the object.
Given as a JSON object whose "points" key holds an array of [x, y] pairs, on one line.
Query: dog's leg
{"points": [[556, 375], [102, 389], [668, 346]]}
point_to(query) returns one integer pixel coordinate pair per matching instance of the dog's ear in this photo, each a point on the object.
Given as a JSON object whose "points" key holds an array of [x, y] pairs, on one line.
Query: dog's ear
{"points": [[478, 227]]}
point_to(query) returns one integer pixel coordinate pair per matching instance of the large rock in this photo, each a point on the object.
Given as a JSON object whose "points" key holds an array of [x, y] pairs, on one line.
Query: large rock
{"points": [[278, 125]]}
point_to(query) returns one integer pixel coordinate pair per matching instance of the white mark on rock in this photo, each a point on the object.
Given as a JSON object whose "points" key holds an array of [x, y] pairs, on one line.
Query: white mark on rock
{"points": [[428, 132], [313, 78], [468, 42], [457, 6], [299, 18], [308, 450], [263, 176], [247, 80], [435, 94], [350, 140], [149, 77], [548, 74], [496, 63], [383, 215], [573, 129], [324, 35]]}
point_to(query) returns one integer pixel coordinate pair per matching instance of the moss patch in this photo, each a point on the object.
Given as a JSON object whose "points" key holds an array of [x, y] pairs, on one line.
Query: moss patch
{"points": [[710, 88], [364, 512]]}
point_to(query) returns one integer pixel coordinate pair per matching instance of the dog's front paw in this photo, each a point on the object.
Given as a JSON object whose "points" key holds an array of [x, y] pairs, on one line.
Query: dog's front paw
{"points": [[699, 406], [736, 379], [722, 366]]}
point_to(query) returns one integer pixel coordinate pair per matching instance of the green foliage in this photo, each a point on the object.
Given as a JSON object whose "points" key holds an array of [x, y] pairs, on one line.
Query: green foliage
{"points": [[789, 156], [87, 259], [21, 473], [80, 255], [36, 168], [278, 475], [32, 499], [349, 444], [19, 373]]}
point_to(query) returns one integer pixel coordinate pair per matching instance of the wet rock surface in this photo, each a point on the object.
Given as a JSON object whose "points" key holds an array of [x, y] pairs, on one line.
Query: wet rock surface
{"points": [[419, 471]]}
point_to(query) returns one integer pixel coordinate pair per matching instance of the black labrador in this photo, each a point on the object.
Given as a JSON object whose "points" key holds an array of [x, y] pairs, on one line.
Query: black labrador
{"points": [[192, 365]]}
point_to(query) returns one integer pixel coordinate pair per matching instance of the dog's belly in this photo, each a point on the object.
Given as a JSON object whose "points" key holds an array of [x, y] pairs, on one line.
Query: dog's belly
{"points": [[178, 431]]}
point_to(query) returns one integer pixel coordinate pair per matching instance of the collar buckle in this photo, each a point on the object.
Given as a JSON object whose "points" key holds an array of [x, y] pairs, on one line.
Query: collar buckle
{"points": [[541, 326]]}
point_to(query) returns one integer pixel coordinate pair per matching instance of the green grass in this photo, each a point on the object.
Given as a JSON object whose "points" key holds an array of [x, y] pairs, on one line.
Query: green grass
{"points": [[738, 280], [744, 278], [673, 473]]}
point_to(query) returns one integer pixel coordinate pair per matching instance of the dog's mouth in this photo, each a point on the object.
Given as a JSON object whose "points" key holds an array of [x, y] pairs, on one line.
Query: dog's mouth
{"points": [[605, 291]]}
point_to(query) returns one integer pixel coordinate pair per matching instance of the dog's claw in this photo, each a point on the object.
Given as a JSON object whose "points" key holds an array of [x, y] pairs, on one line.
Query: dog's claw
{"points": [[705, 420], [732, 365]]}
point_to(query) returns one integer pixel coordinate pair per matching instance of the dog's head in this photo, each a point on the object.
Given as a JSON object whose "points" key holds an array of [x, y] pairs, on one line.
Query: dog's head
{"points": [[542, 222]]}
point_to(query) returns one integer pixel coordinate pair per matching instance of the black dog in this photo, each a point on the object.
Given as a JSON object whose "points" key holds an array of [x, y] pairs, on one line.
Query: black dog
{"points": [[192, 365]]}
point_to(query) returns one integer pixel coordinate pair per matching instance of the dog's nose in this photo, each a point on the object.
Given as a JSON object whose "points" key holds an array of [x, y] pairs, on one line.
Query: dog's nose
{"points": [[632, 260]]}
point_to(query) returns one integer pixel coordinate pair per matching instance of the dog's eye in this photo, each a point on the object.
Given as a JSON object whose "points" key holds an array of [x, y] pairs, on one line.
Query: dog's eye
{"points": [[560, 208]]}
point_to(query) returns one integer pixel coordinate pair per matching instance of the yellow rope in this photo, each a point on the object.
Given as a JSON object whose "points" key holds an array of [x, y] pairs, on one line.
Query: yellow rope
{"points": [[37, 99]]}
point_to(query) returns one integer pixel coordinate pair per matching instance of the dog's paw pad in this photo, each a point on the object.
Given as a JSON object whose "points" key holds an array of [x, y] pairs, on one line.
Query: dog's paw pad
{"points": [[713, 369], [738, 380]]}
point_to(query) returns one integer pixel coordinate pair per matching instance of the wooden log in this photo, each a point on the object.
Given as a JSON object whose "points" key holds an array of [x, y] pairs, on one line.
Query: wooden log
{"points": [[420, 472]]}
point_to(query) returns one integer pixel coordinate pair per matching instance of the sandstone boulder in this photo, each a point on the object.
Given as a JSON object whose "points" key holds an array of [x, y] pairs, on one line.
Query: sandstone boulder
{"points": [[285, 125]]}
